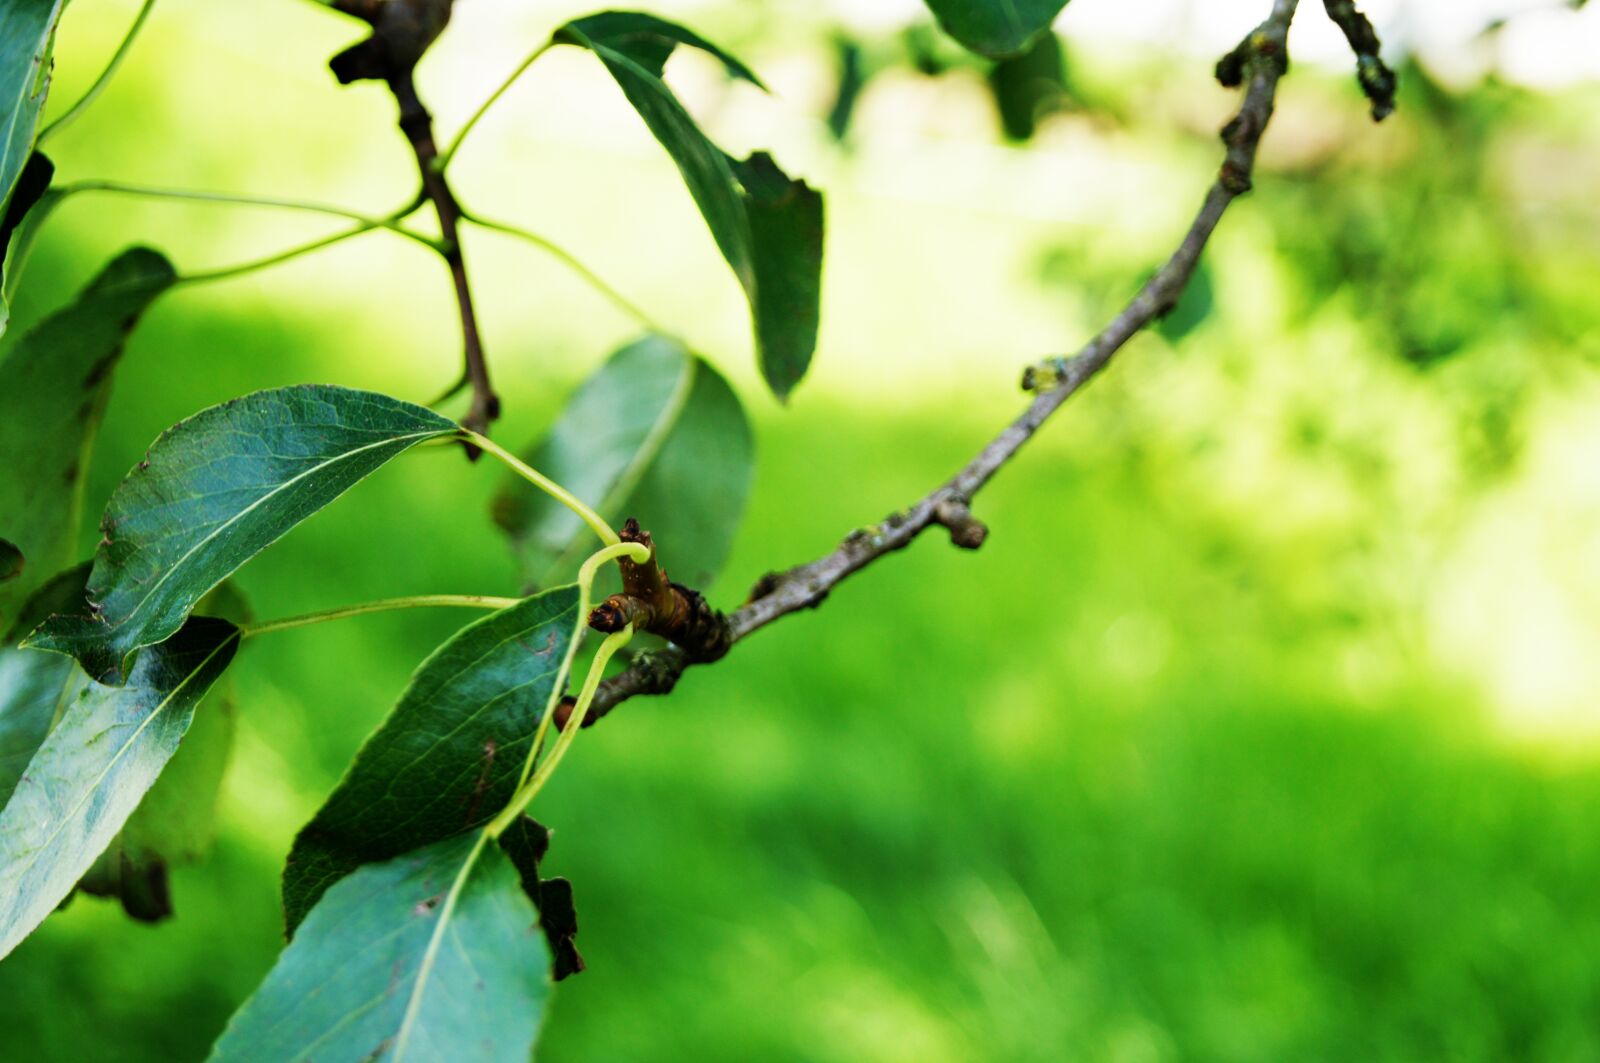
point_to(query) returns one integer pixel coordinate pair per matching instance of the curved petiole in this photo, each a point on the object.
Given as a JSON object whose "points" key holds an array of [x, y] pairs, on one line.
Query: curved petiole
{"points": [[390, 221], [455, 145], [571, 261], [591, 682], [469, 601], [105, 77], [596, 523]]}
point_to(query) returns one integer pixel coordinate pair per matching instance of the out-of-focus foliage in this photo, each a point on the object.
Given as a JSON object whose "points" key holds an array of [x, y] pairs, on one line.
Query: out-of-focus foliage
{"points": [[1218, 750]]}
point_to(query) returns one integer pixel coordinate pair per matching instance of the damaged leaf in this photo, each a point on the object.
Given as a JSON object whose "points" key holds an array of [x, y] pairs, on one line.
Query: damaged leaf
{"points": [[526, 841]]}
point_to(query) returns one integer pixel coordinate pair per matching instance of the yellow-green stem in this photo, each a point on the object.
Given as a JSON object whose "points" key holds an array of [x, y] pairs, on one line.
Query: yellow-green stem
{"points": [[529, 790], [105, 77], [607, 535], [469, 601], [455, 145]]}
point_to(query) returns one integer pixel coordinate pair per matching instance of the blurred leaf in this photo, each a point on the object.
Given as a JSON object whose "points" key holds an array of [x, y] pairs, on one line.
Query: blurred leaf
{"points": [[1194, 306], [36, 686], [11, 561], [217, 489], [142, 887], [655, 434], [54, 383], [768, 227], [27, 36], [1028, 86], [526, 842], [451, 753], [91, 772], [998, 30], [31, 187], [852, 78], [433, 955]]}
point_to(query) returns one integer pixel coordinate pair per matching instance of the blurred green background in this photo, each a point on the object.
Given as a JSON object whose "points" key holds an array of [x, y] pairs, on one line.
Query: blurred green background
{"points": [[1264, 727]]}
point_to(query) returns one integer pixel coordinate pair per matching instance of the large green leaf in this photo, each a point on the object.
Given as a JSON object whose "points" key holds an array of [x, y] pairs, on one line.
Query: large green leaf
{"points": [[214, 491], [27, 34], [35, 686], [435, 955], [54, 383], [768, 227], [91, 772], [450, 755], [996, 28], [655, 434]]}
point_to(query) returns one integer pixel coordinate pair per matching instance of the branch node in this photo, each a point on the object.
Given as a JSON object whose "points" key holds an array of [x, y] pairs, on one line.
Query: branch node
{"points": [[966, 531], [654, 604]]}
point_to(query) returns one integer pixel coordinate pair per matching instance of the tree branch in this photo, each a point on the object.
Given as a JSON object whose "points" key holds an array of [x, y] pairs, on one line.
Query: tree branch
{"points": [[417, 125], [1259, 62], [402, 30]]}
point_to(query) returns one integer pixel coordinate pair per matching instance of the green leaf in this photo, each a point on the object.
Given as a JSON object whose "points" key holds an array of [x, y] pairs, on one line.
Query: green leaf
{"points": [[768, 227], [91, 772], [998, 29], [451, 753], [35, 686], [54, 383], [11, 560], [786, 227], [1029, 86], [31, 188], [27, 35], [655, 434], [852, 78], [214, 491], [431, 956]]}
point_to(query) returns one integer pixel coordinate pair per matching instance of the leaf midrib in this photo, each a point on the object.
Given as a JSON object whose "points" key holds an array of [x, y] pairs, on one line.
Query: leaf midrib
{"points": [[285, 485], [425, 969]]}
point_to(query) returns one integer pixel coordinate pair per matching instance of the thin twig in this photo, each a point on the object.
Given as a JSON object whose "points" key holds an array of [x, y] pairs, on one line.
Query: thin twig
{"points": [[417, 124], [1260, 61], [567, 259]]}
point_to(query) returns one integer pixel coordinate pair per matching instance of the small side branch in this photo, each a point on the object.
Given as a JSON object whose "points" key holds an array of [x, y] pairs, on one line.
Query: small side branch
{"points": [[402, 30], [1258, 63], [417, 124], [1377, 80]]}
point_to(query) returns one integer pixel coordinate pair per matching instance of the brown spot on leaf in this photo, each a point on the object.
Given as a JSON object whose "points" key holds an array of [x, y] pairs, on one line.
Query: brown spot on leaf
{"points": [[476, 797]]}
